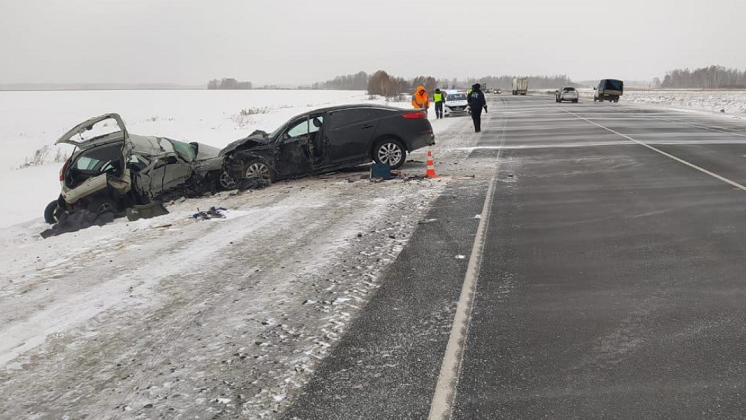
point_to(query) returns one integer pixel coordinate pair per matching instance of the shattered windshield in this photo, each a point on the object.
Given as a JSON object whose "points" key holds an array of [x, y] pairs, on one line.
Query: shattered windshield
{"points": [[187, 151], [277, 131]]}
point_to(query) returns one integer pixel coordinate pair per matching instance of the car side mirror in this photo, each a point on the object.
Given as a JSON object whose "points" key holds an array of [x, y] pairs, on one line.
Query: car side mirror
{"points": [[594, 88]]}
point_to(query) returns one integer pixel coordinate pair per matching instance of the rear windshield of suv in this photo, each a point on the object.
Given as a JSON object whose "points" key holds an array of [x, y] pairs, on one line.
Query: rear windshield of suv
{"points": [[100, 159], [614, 85], [569, 89]]}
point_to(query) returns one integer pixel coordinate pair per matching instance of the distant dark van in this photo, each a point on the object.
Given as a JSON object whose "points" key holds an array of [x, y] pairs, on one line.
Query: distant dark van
{"points": [[608, 90]]}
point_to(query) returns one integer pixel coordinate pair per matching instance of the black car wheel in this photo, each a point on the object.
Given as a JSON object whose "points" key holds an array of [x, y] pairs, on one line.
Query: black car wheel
{"points": [[102, 205], [226, 181], [259, 167], [50, 212], [390, 151]]}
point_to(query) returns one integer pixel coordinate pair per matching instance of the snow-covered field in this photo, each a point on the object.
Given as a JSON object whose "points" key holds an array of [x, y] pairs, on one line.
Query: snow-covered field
{"points": [[731, 102], [172, 317], [32, 120]]}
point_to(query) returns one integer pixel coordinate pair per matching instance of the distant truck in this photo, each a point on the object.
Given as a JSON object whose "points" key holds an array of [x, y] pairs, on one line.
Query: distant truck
{"points": [[520, 85], [608, 90]]}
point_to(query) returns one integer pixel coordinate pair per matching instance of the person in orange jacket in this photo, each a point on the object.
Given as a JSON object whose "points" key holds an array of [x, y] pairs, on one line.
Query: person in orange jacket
{"points": [[420, 99]]}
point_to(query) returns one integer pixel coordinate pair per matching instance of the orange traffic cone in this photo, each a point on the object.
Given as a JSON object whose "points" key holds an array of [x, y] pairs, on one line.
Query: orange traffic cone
{"points": [[430, 166]]}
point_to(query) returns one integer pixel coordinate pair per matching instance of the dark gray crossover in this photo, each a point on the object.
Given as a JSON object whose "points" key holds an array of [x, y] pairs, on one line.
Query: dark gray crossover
{"points": [[328, 139]]}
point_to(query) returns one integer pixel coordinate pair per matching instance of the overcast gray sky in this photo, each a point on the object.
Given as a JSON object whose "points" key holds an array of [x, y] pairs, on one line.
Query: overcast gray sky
{"points": [[295, 42]]}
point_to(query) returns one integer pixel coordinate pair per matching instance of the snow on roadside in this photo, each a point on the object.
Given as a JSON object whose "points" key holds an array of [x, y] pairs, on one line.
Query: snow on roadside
{"points": [[176, 317], [726, 102]]}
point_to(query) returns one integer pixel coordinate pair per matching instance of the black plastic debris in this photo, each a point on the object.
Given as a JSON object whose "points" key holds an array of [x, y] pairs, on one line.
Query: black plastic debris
{"points": [[213, 213], [78, 220], [253, 182], [145, 211], [381, 171]]}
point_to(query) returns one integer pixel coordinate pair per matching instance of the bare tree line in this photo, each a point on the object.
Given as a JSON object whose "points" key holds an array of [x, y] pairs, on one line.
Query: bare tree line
{"points": [[227, 84], [713, 77]]}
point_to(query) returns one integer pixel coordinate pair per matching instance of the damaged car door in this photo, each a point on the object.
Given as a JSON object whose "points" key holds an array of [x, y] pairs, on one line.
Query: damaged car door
{"points": [[349, 135], [168, 171], [300, 146]]}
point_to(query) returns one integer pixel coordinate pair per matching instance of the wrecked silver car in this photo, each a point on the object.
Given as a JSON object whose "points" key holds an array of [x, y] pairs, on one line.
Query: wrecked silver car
{"points": [[111, 170]]}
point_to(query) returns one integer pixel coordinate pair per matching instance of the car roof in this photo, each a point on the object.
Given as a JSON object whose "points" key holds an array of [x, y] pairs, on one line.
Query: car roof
{"points": [[351, 106]]}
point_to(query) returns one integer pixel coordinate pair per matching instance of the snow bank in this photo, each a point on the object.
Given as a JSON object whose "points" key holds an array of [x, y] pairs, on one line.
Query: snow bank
{"points": [[731, 102]]}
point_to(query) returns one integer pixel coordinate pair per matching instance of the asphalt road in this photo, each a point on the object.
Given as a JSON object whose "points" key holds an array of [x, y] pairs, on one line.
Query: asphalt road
{"points": [[611, 282]]}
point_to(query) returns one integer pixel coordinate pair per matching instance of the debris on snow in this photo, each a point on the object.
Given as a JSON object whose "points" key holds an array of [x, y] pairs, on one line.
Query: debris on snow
{"points": [[213, 213]]}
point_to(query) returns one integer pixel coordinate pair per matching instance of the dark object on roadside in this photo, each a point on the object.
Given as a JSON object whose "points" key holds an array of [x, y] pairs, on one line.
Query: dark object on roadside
{"points": [[213, 213], [145, 211], [112, 169], [381, 170], [608, 90], [81, 219], [253, 182], [477, 103], [51, 212], [723, 111], [330, 139]]}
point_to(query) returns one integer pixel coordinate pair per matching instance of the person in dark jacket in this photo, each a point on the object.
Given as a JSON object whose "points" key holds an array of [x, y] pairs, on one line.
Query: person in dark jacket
{"points": [[477, 102]]}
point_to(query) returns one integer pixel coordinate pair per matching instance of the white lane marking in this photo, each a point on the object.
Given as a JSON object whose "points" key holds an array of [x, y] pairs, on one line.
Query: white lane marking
{"points": [[450, 370], [668, 155]]}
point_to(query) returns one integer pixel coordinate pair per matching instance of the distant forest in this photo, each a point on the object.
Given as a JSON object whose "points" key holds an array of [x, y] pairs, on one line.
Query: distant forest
{"points": [[713, 77], [384, 84], [228, 84]]}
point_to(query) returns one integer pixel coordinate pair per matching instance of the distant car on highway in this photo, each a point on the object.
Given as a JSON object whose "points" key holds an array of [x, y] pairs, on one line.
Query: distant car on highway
{"points": [[330, 139], [456, 103], [497, 91], [567, 93], [608, 90]]}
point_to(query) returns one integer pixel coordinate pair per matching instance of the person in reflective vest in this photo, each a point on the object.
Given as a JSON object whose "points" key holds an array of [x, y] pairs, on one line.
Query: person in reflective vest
{"points": [[420, 99], [438, 98]]}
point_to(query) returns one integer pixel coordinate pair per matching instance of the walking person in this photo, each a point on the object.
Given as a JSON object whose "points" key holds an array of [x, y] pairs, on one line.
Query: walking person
{"points": [[420, 99], [477, 102], [439, 99]]}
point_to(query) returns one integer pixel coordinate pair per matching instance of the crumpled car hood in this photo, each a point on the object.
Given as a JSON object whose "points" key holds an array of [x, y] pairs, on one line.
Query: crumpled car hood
{"points": [[255, 139]]}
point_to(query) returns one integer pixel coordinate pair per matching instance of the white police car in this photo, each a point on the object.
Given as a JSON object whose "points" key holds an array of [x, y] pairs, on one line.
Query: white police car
{"points": [[456, 103]]}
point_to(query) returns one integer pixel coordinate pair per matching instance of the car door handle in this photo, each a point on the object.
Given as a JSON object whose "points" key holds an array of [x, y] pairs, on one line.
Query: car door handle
{"points": [[366, 126]]}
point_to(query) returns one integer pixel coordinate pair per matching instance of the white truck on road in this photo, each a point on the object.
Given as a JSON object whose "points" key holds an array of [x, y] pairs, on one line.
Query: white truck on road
{"points": [[520, 85]]}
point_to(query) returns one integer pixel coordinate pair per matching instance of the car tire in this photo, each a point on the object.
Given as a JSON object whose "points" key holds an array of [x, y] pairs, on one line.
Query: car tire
{"points": [[574, 101], [226, 181], [259, 167], [102, 205], [390, 151], [50, 212]]}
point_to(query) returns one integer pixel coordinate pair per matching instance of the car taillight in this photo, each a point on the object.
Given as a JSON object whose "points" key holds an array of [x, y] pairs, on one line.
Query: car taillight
{"points": [[429, 131], [62, 171], [417, 115]]}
